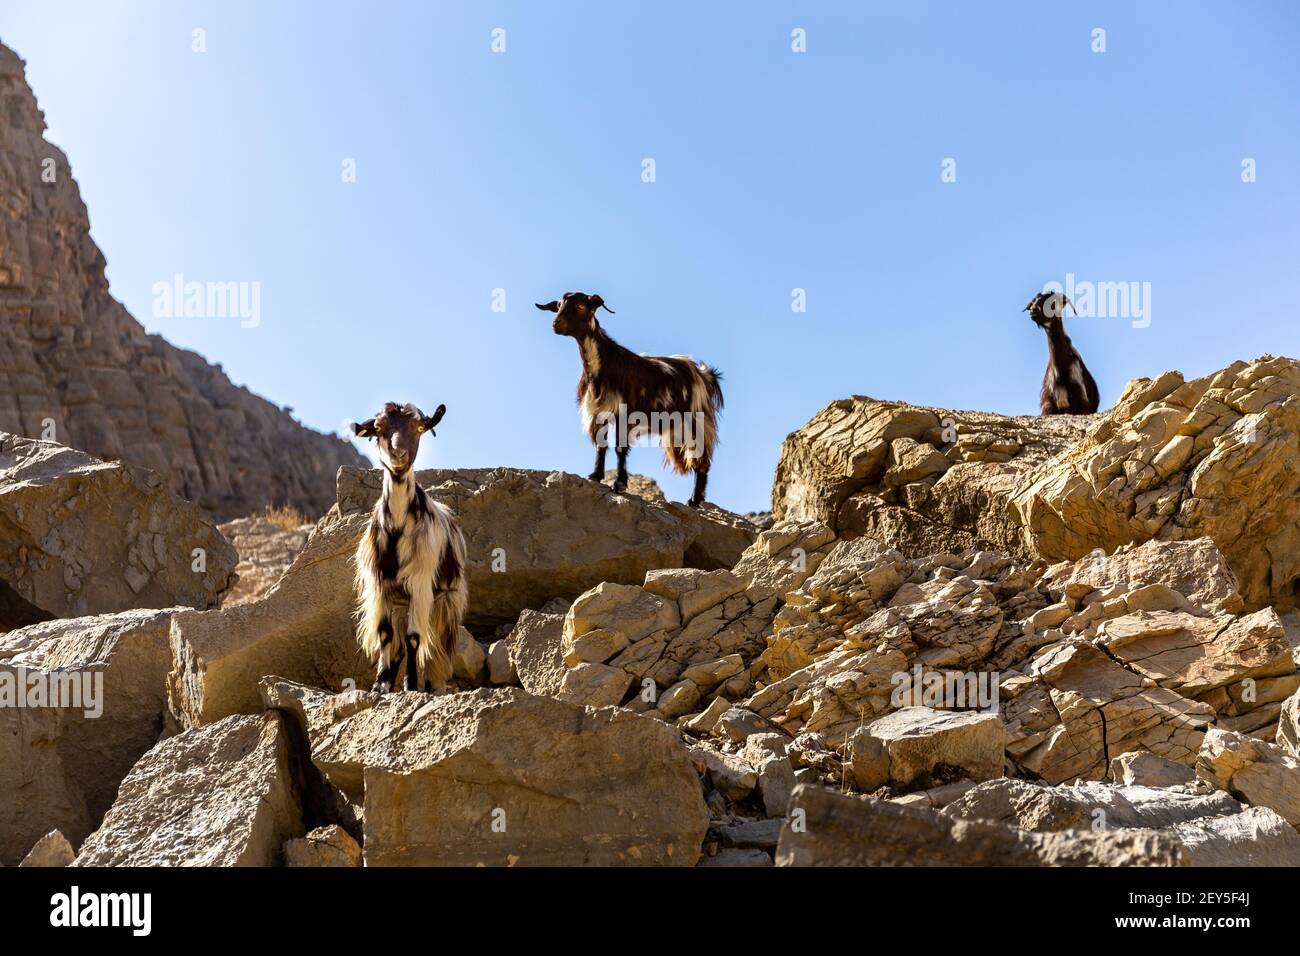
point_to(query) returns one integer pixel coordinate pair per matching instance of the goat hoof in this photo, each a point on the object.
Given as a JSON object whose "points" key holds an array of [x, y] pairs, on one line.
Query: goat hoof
{"points": [[620, 485], [596, 476], [695, 502], [381, 687]]}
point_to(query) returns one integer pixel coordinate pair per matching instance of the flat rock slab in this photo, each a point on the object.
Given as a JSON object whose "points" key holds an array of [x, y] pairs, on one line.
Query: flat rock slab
{"points": [[919, 739], [221, 795], [502, 777], [826, 828], [84, 536], [61, 762]]}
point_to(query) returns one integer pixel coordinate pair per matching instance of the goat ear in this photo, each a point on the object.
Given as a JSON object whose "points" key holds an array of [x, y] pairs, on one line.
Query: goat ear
{"points": [[598, 303], [364, 429], [430, 420], [552, 306]]}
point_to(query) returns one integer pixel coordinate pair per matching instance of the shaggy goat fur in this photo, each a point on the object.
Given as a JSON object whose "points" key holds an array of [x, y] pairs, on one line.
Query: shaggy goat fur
{"points": [[624, 396], [410, 563]]}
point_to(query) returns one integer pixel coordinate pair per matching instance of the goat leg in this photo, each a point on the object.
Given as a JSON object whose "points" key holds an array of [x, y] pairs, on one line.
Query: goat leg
{"points": [[620, 480], [386, 672], [598, 473], [412, 662], [701, 480]]}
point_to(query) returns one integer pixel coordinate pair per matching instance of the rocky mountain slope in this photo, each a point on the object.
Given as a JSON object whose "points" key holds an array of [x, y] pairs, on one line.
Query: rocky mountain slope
{"points": [[78, 369], [912, 665]]}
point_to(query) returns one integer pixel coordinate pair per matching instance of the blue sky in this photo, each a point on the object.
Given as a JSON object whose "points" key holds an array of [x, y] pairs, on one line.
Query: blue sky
{"points": [[775, 170]]}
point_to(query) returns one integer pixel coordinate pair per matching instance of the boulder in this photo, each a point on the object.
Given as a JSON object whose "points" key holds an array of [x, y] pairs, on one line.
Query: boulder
{"points": [[532, 535], [534, 648], [918, 740], [60, 766], [220, 795], [825, 828], [503, 777], [1288, 726], [926, 480], [302, 629], [1255, 771], [1256, 836], [1194, 568], [692, 633], [1215, 829], [51, 850], [1147, 770], [84, 536], [1174, 459], [328, 846]]}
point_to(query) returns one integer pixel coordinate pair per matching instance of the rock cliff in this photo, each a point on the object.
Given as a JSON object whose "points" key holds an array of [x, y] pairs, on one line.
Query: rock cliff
{"points": [[76, 368]]}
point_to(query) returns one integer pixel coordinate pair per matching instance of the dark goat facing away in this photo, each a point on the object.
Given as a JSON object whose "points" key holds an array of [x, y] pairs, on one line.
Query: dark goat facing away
{"points": [[410, 563], [625, 396], [1068, 386]]}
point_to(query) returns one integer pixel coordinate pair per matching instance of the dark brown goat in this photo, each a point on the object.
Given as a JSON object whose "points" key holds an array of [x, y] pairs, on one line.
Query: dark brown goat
{"points": [[1068, 386], [625, 396]]}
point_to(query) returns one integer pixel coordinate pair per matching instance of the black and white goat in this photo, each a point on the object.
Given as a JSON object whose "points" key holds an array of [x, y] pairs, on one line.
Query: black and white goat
{"points": [[410, 563], [1068, 386], [625, 396]]}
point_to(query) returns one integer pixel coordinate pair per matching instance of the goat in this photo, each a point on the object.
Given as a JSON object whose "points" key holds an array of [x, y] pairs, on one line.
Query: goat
{"points": [[410, 563], [630, 395], [1068, 387]]}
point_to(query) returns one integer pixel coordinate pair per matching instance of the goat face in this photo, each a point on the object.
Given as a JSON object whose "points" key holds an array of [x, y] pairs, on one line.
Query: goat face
{"points": [[575, 313], [396, 431], [1047, 308]]}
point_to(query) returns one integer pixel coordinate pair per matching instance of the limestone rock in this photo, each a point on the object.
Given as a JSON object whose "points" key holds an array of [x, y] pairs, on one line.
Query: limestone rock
{"points": [[302, 629], [60, 766], [76, 361], [221, 795], [1288, 726], [1258, 772], [845, 830], [1195, 568], [84, 536], [501, 670], [695, 634], [51, 850], [1147, 770], [1212, 457], [532, 535], [469, 659], [266, 548], [1256, 836], [328, 846], [918, 739], [503, 777], [534, 646], [852, 464]]}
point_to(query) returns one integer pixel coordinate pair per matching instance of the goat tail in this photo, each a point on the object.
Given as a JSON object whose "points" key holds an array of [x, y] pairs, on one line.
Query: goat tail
{"points": [[714, 379], [691, 448]]}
